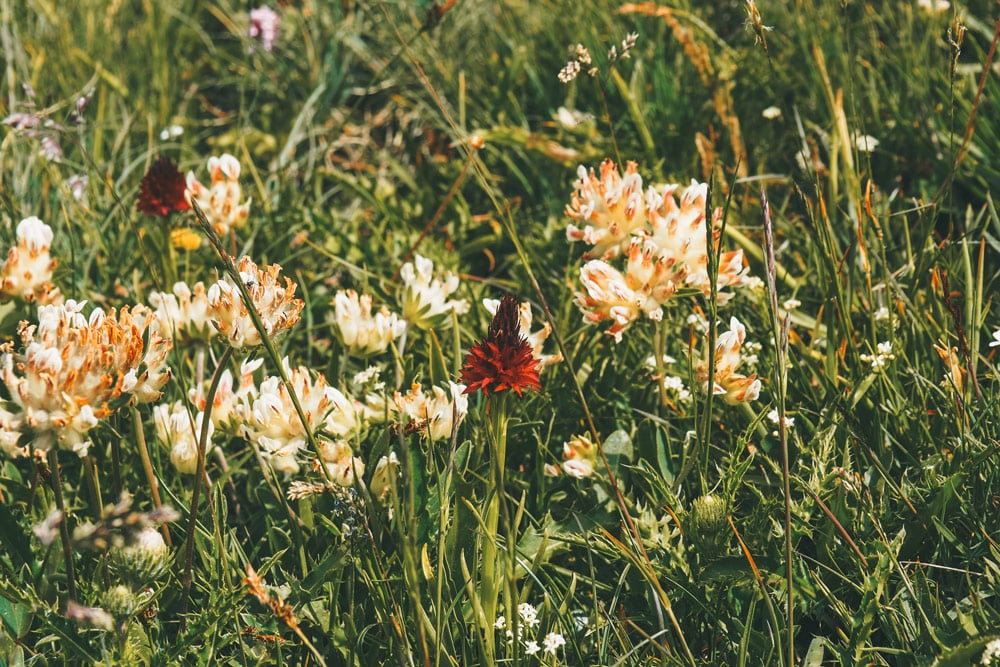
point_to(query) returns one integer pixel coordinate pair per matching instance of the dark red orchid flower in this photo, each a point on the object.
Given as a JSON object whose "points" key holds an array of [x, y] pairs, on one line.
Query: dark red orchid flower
{"points": [[504, 359], [162, 189]]}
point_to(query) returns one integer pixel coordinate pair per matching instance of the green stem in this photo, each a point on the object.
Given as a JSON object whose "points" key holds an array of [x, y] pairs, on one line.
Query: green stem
{"points": [[147, 466], [199, 474], [490, 587], [67, 546]]}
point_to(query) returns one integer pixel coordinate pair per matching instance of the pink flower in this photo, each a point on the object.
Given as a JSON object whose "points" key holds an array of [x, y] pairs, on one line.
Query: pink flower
{"points": [[264, 25]]}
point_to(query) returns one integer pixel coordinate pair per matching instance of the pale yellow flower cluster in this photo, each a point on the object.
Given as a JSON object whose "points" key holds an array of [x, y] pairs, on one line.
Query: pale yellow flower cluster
{"points": [[269, 419], [27, 273], [424, 296], [664, 239], [536, 339], [75, 371], [361, 332], [183, 313], [220, 202], [435, 414], [734, 387], [579, 459], [180, 430], [273, 300]]}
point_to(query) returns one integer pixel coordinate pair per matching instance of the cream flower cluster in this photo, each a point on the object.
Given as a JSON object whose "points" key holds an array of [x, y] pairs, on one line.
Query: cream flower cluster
{"points": [[220, 202], [269, 419], [435, 414], [75, 371], [734, 387], [424, 296], [664, 240], [361, 332], [180, 431], [579, 459], [273, 300], [27, 273], [183, 312], [536, 339]]}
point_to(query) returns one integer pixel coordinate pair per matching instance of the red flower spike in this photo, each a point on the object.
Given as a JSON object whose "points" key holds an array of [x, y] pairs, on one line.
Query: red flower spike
{"points": [[162, 189], [503, 360]]}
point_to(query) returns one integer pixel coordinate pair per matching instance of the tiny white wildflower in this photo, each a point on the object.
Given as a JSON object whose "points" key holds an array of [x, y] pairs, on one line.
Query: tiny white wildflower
{"points": [[528, 614], [791, 304], [171, 132], [996, 339], [569, 72], [553, 641], [866, 143], [531, 647], [500, 623], [991, 651], [771, 113], [883, 314]]}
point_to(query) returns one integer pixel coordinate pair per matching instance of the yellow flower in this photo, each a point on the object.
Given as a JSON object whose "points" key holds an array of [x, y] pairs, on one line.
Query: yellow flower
{"points": [[185, 238]]}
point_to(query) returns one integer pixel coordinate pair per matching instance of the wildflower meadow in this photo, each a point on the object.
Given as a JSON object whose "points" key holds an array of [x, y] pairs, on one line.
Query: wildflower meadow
{"points": [[459, 333]]}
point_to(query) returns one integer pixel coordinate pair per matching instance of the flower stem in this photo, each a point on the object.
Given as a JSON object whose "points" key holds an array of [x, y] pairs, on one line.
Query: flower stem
{"points": [[147, 466], [489, 585], [196, 492], [67, 547]]}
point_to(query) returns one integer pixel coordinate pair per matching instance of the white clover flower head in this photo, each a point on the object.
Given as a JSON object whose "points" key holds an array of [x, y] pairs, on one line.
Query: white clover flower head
{"points": [[273, 300], [424, 296], [437, 414], [340, 462], [361, 332], [733, 386], [385, 470], [220, 202], [183, 313], [771, 113], [934, 6], [232, 400], [579, 459], [271, 422], [176, 428], [74, 371], [609, 208], [27, 272]]}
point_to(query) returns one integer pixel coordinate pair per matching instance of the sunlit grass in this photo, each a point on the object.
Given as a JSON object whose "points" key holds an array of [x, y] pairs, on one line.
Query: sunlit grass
{"points": [[402, 163]]}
